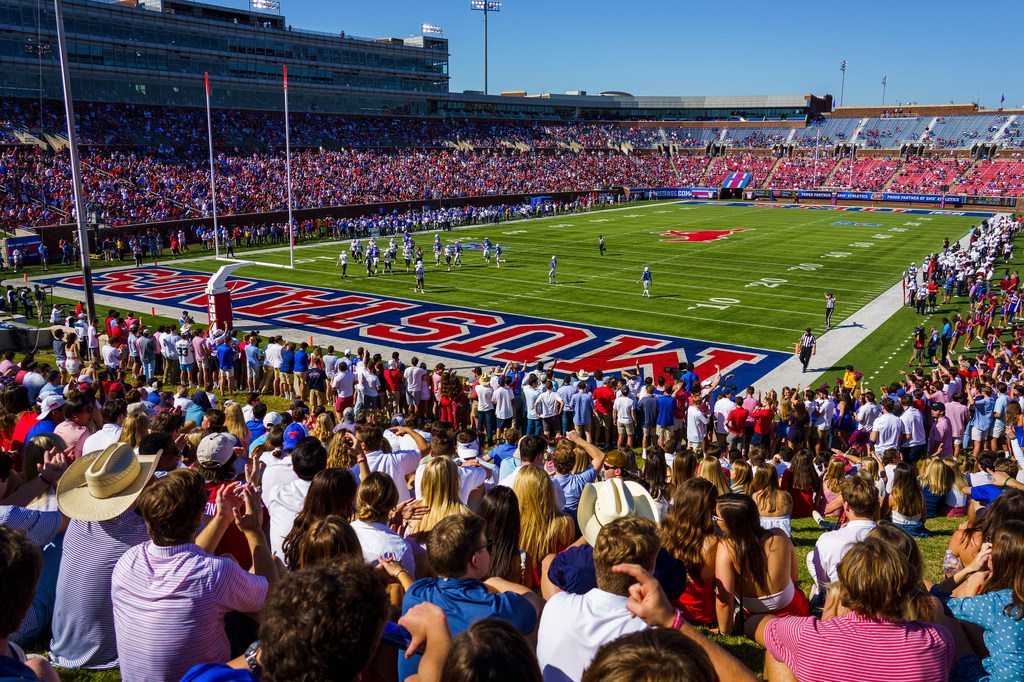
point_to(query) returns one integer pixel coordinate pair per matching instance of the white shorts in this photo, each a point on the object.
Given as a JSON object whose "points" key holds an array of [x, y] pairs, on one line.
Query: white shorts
{"points": [[978, 434], [998, 431]]}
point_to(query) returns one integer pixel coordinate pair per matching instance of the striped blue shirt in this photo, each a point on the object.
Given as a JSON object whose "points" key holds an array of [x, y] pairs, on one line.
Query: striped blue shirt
{"points": [[83, 617]]}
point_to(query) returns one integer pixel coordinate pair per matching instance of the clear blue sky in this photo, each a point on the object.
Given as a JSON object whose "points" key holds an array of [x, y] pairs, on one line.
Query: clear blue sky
{"points": [[932, 52]]}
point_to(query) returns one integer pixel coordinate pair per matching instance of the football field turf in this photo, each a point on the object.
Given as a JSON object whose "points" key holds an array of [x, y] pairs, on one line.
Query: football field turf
{"points": [[733, 285], [741, 275]]}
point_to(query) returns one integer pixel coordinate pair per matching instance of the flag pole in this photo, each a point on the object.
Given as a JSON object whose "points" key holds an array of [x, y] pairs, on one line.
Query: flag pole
{"points": [[288, 161], [213, 186]]}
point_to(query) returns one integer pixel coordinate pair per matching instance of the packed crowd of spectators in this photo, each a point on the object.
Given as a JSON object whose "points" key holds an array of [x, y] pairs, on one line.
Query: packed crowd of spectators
{"points": [[515, 522], [1000, 177], [868, 174], [928, 174], [802, 172]]}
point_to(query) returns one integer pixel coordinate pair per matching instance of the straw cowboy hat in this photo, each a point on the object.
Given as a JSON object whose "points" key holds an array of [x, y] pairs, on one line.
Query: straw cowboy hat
{"points": [[604, 501], [105, 483]]}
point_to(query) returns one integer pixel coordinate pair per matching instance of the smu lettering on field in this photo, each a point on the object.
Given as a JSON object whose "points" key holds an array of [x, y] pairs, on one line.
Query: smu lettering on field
{"points": [[465, 335]]}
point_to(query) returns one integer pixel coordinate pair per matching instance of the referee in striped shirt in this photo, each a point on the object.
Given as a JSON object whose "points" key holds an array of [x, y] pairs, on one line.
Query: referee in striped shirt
{"points": [[806, 347]]}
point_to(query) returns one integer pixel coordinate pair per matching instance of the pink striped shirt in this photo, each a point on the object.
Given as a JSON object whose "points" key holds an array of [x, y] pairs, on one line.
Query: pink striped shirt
{"points": [[169, 606], [858, 649]]}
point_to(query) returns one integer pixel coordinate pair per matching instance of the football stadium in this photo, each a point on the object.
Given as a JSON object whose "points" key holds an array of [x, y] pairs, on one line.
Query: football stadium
{"points": [[317, 366]]}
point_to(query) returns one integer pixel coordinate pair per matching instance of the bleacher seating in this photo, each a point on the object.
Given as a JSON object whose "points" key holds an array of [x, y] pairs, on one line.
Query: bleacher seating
{"points": [[1001, 177], [802, 172], [927, 175], [869, 174]]}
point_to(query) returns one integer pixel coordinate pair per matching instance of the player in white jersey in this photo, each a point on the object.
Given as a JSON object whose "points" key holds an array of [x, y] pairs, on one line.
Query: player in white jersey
{"points": [[646, 279], [407, 255], [448, 257], [343, 262], [419, 277], [387, 263], [553, 273], [357, 250]]}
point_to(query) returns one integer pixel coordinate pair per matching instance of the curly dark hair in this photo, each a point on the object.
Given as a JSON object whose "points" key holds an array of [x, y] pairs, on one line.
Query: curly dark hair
{"points": [[323, 623]]}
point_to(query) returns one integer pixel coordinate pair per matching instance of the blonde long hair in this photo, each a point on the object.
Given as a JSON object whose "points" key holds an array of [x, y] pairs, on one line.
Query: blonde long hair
{"points": [[711, 469], [234, 422], [440, 493], [538, 529], [134, 428], [835, 475], [323, 429]]}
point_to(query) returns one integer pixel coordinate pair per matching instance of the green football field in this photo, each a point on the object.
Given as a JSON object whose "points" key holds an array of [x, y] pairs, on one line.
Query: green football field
{"points": [[758, 286]]}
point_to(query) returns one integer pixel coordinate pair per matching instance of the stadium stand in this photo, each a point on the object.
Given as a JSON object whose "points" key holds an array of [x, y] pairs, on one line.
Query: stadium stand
{"points": [[929, 174]]}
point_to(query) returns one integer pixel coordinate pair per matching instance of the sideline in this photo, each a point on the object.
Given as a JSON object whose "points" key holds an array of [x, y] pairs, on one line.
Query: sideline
{"points": [[834, 345]]}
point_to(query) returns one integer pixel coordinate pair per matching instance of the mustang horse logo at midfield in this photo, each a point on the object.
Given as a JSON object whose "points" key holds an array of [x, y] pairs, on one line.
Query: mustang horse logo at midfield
{"points": [[699, 235]]}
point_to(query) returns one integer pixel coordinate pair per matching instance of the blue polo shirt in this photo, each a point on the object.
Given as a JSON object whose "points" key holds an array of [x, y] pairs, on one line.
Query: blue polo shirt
{"points": [[287, 361], [582, 405], [983, 408], [573, 571], [666, 409], [572, 485], [465, 602], [649, 406], [501, 452], [226, 356], [301, 361]]}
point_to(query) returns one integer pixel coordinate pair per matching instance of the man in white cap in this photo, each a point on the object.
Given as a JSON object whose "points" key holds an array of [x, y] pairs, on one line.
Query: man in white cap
{"points": [[51, 413], [98, 493]]}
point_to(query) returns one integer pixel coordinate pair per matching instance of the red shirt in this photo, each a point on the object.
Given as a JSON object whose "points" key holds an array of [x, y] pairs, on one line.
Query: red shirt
{"points": [[393, 378], [737, 420], [762, 420], [603, 399], [233, 542]]}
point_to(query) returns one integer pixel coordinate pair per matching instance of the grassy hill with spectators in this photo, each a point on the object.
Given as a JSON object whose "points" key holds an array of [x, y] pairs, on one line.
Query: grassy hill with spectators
{"points": [[727, 274]]}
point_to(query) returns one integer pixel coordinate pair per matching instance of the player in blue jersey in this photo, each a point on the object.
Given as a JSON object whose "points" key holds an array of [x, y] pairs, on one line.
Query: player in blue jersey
{"points": [[437, 252], [487, 250], [646, 279], [600, 243], [497, 254], [553, 273], [458, 253]]}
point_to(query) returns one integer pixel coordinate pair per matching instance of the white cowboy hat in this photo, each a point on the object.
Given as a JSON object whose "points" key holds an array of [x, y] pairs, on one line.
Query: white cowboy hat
{"points": [[604, 501], [105, 483], [582, 375]]}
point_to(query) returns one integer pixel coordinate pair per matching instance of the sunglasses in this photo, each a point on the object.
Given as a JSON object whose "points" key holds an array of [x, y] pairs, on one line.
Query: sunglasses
{"points": [[486, 546]]}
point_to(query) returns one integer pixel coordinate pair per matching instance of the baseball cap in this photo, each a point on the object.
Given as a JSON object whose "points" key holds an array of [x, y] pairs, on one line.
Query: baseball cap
{"points": [[939, 406], [398, 420], [216, 449], [293, 434], [298, 403], [50, 403], [272, 419], [617, 459]]}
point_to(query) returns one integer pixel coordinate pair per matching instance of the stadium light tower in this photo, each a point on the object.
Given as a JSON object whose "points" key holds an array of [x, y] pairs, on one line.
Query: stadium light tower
{"points": [[485, 6], [842, 88], [885, 79]]}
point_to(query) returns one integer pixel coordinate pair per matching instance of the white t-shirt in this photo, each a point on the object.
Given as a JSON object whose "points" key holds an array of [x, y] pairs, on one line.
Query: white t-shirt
{"points": [[344, 383], [414, 379], [484, 393], [272, 355], [547, 404], [913, 423], [397, 465], [696, 424], [284, 502], [890, 429], [503, 402], [111, 356], [94, 340], [723, 406], [377, 540], [370, 383], [623, 407]]}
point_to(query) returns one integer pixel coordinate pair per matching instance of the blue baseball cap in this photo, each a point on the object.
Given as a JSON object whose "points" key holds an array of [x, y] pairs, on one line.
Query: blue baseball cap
{"points": [[293, 434]]}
